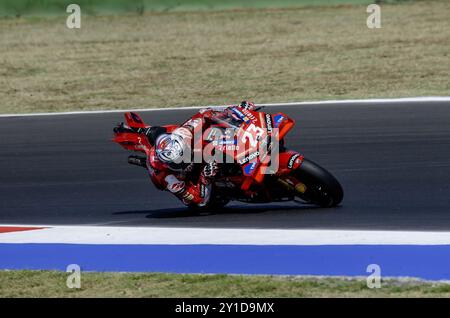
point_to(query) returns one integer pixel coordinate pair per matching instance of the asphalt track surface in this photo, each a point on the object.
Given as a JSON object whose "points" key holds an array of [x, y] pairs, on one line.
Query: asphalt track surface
{"points": [[393, 160]]}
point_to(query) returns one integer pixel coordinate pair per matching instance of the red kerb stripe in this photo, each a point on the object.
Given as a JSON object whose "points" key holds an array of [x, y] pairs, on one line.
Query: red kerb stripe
{"points": [[6, 229]]}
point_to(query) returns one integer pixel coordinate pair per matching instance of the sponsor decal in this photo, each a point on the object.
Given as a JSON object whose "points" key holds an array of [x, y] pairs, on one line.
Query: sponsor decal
{"points": [[248, 158], [269, 123], [241, 115], [278, 119], [269, 127], [227, 148], [249, 114], [202, 190], [292, 160], [249, 168], [224, 142]]}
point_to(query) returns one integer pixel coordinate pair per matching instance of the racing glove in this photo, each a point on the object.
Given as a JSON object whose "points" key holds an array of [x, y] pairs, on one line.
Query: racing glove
{"points": [[247, 105], [210, 170]]}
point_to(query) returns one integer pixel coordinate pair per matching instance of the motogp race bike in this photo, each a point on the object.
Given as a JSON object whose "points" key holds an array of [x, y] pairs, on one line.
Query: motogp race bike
{"points": [[258, 167]]}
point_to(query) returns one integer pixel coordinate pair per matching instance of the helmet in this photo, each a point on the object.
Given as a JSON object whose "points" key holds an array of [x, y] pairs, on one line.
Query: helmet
{"points": [[169, 148], [247, 105]]}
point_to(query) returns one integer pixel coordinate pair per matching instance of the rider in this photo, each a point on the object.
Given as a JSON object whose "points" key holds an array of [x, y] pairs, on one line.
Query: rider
{"points": [[165, 164]]}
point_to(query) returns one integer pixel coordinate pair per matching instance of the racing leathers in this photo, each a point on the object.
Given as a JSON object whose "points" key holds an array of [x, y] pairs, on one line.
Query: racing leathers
{"points": [[179, 178]]}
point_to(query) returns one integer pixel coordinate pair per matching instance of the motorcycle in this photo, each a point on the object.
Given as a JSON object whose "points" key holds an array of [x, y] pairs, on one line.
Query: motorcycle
{"points": [[261, 170]]}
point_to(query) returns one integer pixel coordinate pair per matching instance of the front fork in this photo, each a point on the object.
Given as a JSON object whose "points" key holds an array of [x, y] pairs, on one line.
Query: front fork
{"points": [[283, 179], [292, 186], [289, 162]]}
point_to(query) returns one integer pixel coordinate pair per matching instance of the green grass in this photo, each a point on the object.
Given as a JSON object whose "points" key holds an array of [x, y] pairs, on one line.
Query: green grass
{"points": [[53, 284], [57, 7], [164, 59]]}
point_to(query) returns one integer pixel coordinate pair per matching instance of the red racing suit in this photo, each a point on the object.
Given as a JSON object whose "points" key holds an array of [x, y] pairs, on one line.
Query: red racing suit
{"points": [[176, 181]]}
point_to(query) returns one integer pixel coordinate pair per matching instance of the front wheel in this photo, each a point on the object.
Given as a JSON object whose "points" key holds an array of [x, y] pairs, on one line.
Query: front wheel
{"points": [[319, 186]]}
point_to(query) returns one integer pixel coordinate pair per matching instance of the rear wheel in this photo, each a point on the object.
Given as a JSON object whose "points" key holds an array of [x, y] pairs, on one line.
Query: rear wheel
{"points": [[318, 186]]}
